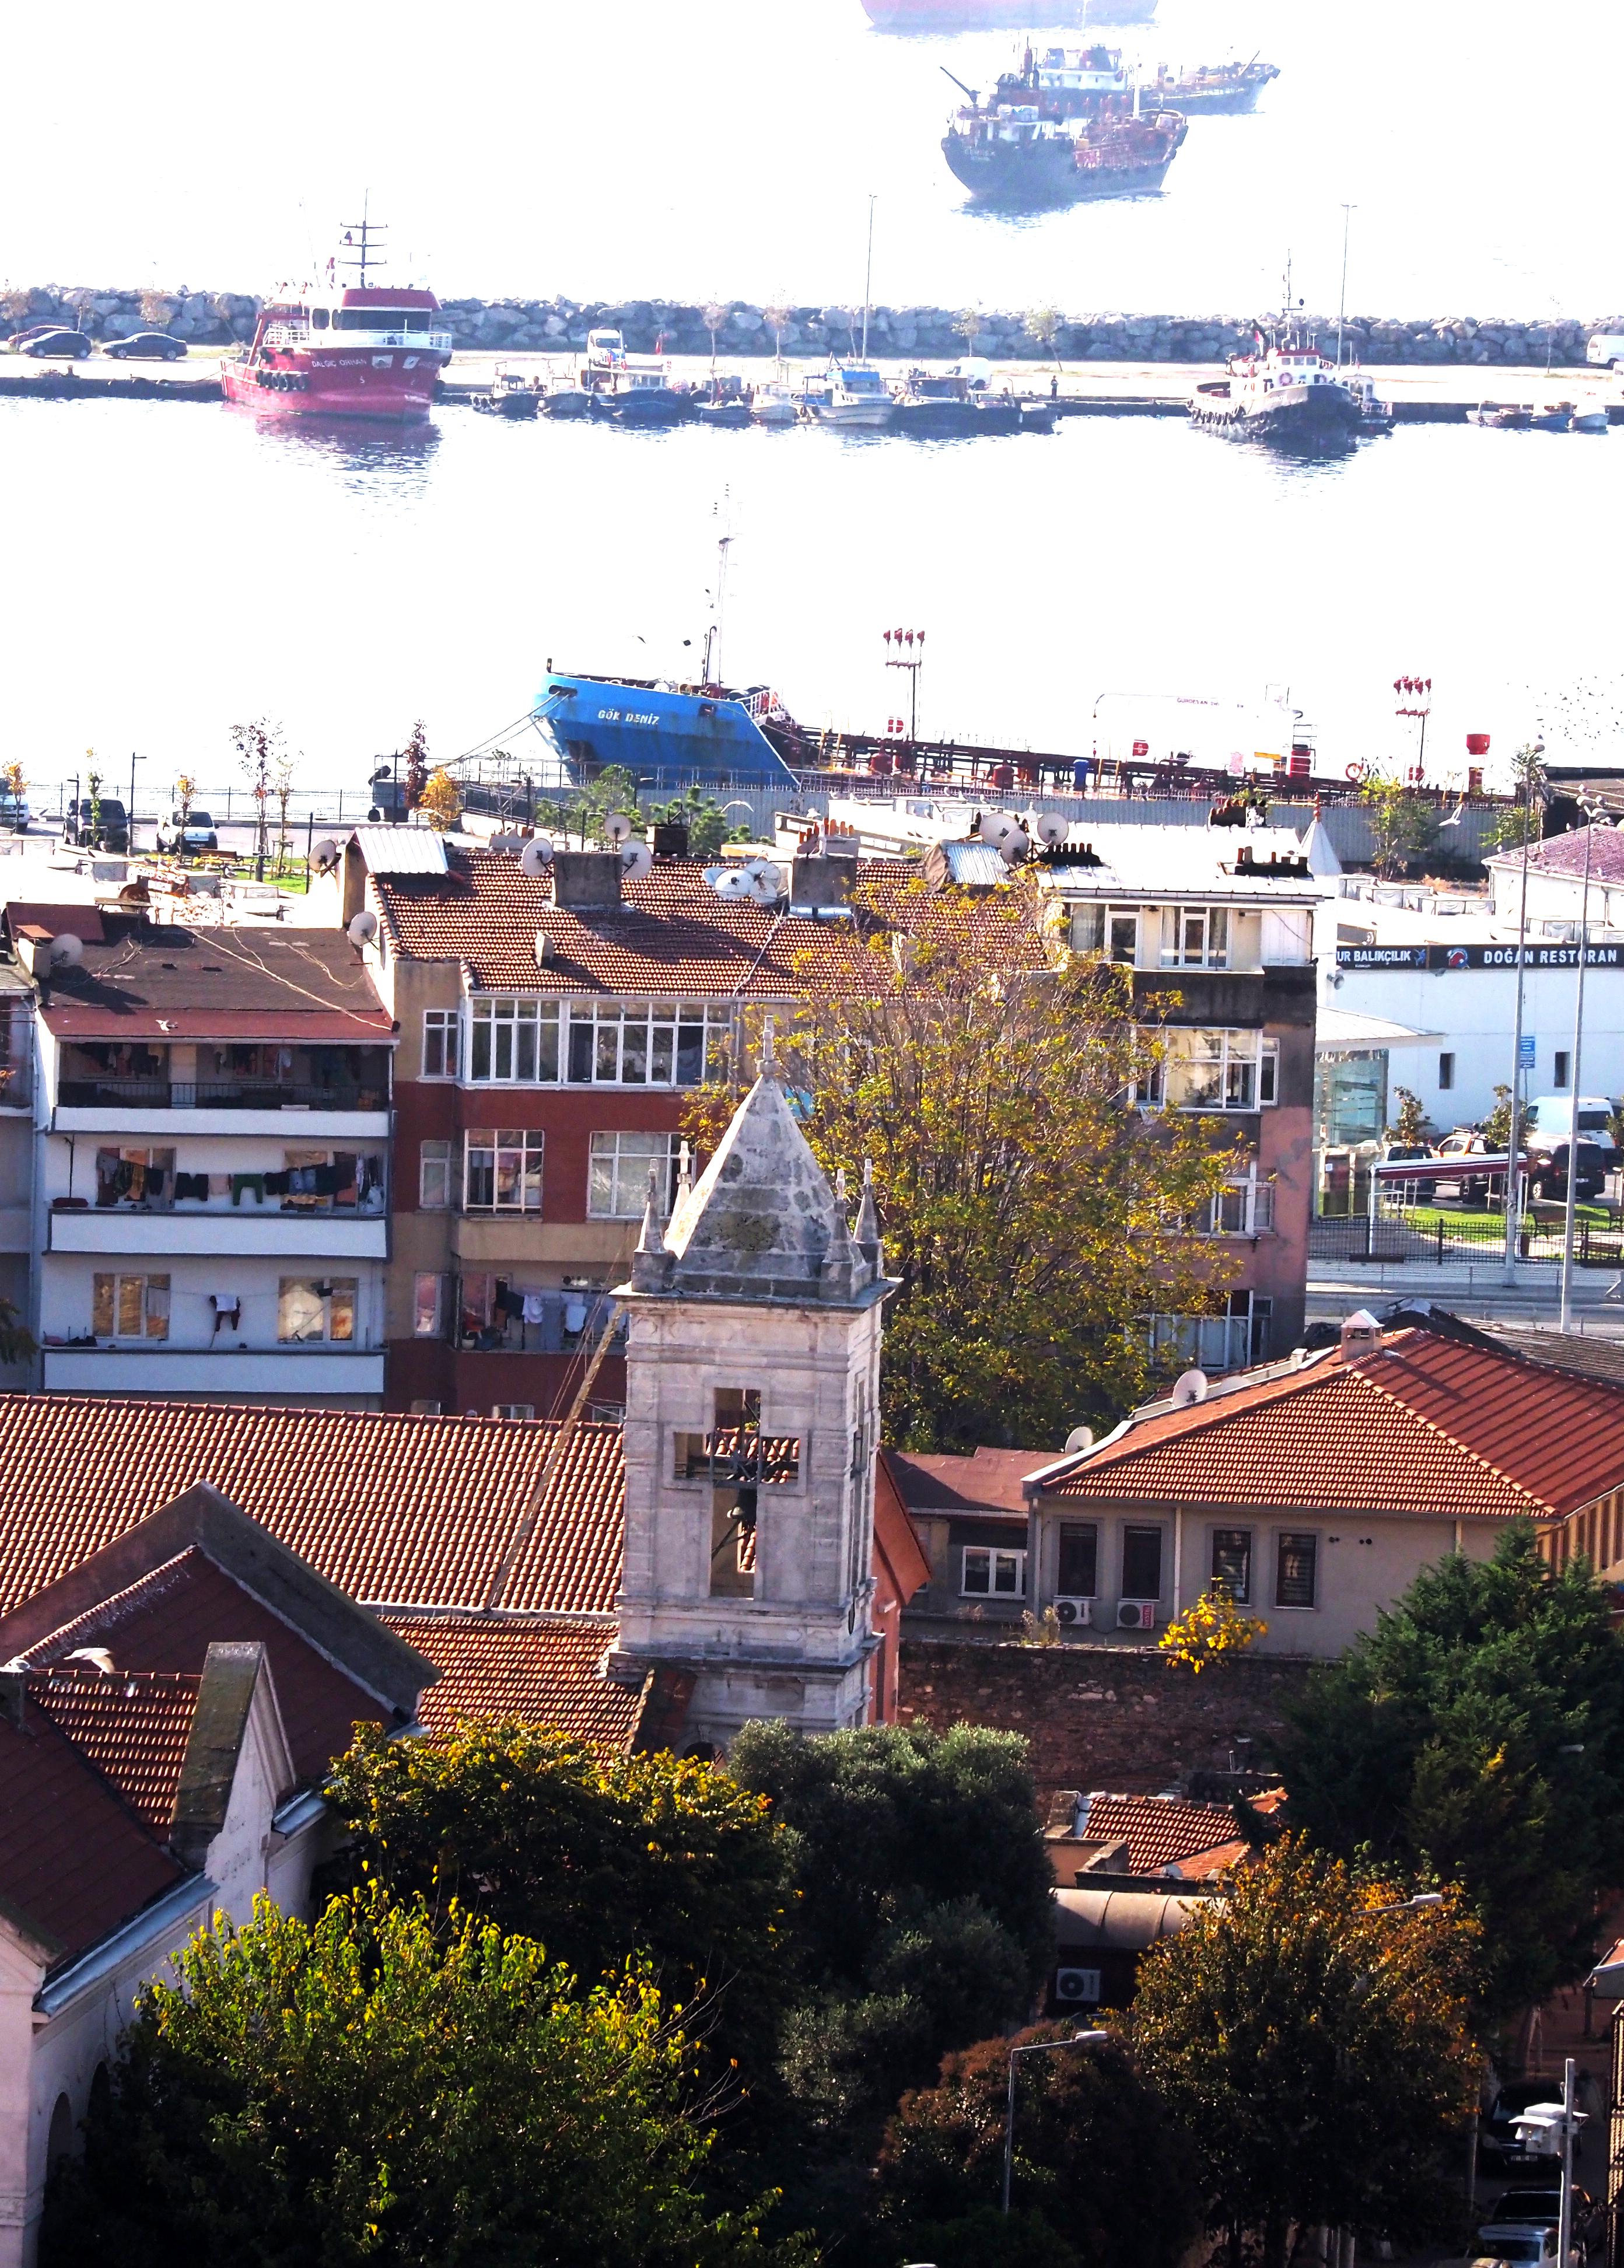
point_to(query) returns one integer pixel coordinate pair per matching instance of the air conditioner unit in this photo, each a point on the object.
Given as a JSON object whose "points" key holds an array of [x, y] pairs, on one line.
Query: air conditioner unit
{"points": [[1135, 1614], [1074, 1613], [1077, 1987]]}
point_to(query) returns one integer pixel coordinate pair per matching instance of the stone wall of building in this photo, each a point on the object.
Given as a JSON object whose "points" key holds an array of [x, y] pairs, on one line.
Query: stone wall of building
{"points": [[531, 326], [1098, 1716]]}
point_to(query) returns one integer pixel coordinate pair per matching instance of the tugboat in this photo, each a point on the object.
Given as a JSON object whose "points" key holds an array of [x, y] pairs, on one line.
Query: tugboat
{"points": [[1288, 394], [1009, 154], [360, 349], [632, 389], [1212, 90]]}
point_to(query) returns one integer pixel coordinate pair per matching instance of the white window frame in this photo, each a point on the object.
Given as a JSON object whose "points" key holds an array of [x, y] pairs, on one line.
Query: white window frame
{"points": [[442, 1037], [517, 1409], [1243, 1207], [627, 1042], [1195, 937], [515, 1039], [154, 1295], [1244, 1063], [993, 1559], [434, 1170], [516, 1148], [328, 1335], [617, 1173], [1093, 922]]}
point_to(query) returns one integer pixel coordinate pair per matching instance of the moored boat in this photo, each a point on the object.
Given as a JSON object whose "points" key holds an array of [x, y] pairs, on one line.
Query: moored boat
{"points": [[1211, 90], [1287, 394], [1556, 419], [511, 394], [850, 394], [362, 349], [631, 389], [1011, 155], [1505, 417], [774, 402], [1590, 418], [1065, 82]]}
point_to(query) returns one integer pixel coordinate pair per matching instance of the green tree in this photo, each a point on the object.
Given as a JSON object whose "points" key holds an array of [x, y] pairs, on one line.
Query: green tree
{"points": [[921, 1903], [1410, 1122], [1042, 328], [1521, 820], [1317, 2055], [1404, 826], [1098, 2165], [707, 822], [367, 2088], [1496, 1129], [1478, 1731], [416, 754], [967, 325], [643, 1854], [1034, 1216], [582, 811]]}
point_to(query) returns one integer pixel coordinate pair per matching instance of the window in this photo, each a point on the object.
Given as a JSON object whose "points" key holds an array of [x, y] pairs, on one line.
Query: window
{"points": [[1231, 1562], [1111, 929], [319, 319], [129, 1307], [1079, 1562], [137, 1177], [1561, 1067], [736, 1452], [434, 1181], [1295, 1568], [502, 1170], [513, 1042], [1214, 1069], [1195, 937], [643, 1042], [428, 1306], [1142, 1563], [313, 1312], [512, 1409], [617, 1186], [441, 1028], [1446, 1073], [989, 1574], [1242, 1208]]}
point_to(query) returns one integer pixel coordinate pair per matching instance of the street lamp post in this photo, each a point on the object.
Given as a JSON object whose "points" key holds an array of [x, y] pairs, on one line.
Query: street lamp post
{"points": [[1528, 757], [1540, 2123], [130, 812], [1573, 1078], [1036, 2047]]}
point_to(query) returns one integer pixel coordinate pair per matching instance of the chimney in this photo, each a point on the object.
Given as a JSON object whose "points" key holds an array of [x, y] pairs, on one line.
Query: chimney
{"points": [[668, 838], [823, 879], [1361, 1335], [587, 881]]}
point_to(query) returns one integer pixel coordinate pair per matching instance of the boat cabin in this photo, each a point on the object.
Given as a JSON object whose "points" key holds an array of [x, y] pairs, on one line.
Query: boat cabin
{"points": [[364, 315], [609, 369]]}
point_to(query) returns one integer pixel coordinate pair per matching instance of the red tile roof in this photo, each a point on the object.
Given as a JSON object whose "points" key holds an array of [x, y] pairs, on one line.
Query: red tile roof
{"points": [[987, 1480], [671, 934], [394, 1510], [1162, 1830], [74, 1860], [132, 1725], [521, 1666], [170, 1618], [164, 981], [1428, 1425]]}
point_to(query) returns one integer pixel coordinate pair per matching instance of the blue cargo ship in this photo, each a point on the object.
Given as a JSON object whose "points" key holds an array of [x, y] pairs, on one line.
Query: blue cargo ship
{"points": [[666, 735]]}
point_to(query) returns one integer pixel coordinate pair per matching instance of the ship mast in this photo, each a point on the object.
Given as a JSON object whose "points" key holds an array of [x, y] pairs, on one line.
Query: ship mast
{"points": [[364, 243]]}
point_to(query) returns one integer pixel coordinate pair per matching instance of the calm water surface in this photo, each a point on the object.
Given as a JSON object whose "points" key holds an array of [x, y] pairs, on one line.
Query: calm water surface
{"points": [[169, 570]]}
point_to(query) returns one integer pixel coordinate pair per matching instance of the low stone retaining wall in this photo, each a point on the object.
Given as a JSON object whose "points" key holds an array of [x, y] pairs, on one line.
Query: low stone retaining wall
{"points": [[521, 325]]}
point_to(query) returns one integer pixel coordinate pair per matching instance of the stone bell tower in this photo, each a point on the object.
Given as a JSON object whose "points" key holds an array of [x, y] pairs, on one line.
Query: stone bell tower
{"points": [[751, 1417]]}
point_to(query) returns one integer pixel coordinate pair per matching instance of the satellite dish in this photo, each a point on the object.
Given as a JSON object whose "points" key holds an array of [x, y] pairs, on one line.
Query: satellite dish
{"points": [[713, 874], [765, 893], [1189, 1388], [772, 877], [324, 855], [364, 926], [618, 828], [67, 951], [635, 859], [996, 826], [733, 882], [1081, 1437], [536, 855], [1014, 847], [1049, 826]]}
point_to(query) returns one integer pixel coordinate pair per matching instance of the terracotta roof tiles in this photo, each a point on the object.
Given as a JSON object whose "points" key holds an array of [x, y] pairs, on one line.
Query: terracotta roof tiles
{"points": [[1157, 1830], [496, 1665], [132, 1725]]}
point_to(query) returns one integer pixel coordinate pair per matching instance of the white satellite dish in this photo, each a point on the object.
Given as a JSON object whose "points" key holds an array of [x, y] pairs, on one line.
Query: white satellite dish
{"points": [[1014, 847], [324, 855], [733, 882], [536, 855], [996, 826], [1049, 826], [635, 859], [617, 827], [363, 927], [67, 951], [1190, 1386], [1081, 1437], [772, 877], [763, 892], [713, 874]]}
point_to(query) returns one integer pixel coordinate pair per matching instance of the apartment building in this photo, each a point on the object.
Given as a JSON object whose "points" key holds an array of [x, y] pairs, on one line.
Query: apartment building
{"points": [[210, 1182]]}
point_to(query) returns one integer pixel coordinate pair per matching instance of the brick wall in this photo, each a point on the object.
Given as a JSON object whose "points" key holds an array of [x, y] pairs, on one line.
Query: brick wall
{"points": [[1098, 1716]]}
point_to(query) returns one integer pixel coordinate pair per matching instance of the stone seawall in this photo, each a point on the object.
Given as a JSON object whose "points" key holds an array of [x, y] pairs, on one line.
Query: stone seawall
{"points": [[539, 326], [1098, 1715]]}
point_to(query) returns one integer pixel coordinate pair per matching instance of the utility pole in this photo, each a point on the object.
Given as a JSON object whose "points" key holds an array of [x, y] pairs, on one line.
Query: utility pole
{"points": [[1341, 310], [1528, 758], [1573, 1078], [129, 813]]}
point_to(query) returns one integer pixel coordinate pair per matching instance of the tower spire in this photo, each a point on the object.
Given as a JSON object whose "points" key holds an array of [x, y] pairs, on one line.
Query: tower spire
{"points": [[651, 1261], [867, 1230]]}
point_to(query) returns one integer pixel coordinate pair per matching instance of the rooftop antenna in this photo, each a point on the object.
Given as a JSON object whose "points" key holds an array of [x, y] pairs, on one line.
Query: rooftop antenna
{"points": [[723, 511], [367, 247]]}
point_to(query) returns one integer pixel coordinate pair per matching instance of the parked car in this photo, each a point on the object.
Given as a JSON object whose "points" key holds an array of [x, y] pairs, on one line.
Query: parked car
{"points": [[1542, 2209], [145, 346], [1521, 2245], [1406, 1153], [1466, 1142], [1499, 2143], [18, 340], [58, 346], [189, 830], [80, 825], [1549, 1172], [14, 812]]}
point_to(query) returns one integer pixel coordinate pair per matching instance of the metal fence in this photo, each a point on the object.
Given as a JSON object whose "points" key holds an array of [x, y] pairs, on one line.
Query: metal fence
{"points": [[1394, 1234]]}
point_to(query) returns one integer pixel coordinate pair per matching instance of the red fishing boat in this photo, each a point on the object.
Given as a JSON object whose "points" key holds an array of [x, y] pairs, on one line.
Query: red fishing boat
{"points": [[338, 349]]}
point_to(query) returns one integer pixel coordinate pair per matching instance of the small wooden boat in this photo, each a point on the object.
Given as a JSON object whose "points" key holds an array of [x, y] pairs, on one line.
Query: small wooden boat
{"points": [[1504, 416], [773, 403], [1592, 419], [1556, 419], [511, 394]]}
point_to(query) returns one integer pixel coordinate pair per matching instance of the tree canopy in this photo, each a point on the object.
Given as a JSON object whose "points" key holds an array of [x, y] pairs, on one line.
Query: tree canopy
{"points": [[365, 2088], [1476, 1732], [1035, 1215], [1315, 2051]]}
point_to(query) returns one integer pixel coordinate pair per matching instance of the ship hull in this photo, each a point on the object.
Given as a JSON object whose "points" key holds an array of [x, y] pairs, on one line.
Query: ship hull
{"points": [[1024, 176], [395, 385], [664, 736], [646, 405], [1314, 421], [1218, 102]]}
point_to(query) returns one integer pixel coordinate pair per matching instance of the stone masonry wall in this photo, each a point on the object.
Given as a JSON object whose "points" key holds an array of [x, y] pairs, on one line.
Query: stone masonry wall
{"points": [[530, 325], [1099, 1717]]}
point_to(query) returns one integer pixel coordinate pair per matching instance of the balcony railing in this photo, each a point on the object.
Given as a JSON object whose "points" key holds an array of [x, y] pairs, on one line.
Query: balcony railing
{"points": [[210, 1095]]}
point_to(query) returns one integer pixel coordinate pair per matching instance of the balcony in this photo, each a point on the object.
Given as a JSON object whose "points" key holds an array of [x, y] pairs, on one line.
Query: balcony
{"points": [[170, 1371], [219, 1231], [145, 1106]]}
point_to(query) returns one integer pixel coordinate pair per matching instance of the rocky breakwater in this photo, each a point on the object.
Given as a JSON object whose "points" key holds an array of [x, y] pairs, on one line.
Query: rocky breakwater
{"points": [[738, 329]]}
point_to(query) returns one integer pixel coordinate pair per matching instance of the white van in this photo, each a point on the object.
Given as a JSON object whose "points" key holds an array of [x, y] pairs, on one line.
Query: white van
{"points": [[1606, 348], [1553, 1122]]}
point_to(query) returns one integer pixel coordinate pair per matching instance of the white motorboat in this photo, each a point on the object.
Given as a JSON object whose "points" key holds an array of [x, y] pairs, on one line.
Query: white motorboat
{"points": [[851, 393], [775, 403]]}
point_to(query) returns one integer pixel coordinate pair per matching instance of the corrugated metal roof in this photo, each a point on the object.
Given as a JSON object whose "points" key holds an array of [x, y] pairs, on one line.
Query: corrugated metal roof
{"points": [[402, 850], [974, 866]]}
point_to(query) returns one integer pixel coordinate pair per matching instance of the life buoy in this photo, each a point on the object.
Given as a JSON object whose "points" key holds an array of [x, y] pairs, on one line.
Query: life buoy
{"points": [[1355, 772]]}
